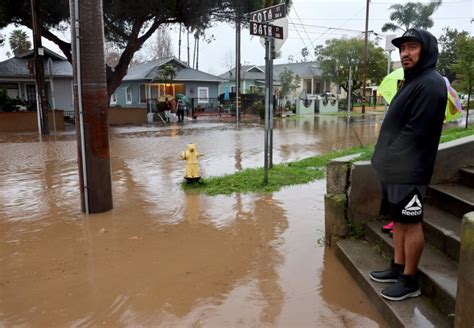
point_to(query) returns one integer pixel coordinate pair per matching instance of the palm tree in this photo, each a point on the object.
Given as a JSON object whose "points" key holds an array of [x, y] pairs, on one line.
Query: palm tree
{"points": [[167, 72], [19, 42], [412, 14]]}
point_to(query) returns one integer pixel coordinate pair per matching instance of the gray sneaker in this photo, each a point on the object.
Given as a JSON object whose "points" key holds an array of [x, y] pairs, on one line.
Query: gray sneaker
{"points": [[406, 286], [389, 275]]}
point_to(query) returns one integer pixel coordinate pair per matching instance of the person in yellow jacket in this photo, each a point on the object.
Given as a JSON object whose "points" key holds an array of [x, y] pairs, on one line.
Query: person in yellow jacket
{"points": [[190, 155]]}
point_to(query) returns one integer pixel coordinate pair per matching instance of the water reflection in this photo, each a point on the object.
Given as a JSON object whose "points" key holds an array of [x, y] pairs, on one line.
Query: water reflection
{"points": [[163, 256]]}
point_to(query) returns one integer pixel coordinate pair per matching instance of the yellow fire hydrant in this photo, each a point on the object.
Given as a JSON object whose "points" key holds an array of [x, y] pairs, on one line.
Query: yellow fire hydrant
{"points": [[191, 155]]}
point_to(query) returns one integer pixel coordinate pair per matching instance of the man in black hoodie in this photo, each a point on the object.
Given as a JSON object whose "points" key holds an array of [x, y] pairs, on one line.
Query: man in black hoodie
{"points": [[405, 154]]}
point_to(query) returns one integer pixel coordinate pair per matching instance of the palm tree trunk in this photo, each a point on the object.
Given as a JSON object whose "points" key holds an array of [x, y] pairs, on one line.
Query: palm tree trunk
{"points": [[91, 102]]}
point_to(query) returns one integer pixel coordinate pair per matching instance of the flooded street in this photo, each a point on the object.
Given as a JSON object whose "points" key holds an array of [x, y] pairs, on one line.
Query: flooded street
{"points": [[168, 258]]}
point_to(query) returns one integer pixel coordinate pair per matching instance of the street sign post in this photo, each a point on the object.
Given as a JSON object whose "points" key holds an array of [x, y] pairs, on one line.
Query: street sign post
{"points": [[268, 14], [259, 26], [266, 30], [278, 43]]}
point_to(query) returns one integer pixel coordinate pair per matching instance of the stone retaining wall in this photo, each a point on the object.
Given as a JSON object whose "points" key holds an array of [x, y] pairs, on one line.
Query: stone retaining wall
{"points": [[353, 192], [465, 293]]}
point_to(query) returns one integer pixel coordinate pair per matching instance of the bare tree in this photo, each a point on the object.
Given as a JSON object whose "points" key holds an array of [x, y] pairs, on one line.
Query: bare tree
{"points": [[160, 45], [229, 60]]}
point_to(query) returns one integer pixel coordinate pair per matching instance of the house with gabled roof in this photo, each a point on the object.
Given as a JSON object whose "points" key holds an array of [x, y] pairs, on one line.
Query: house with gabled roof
{"points": [[253, 79], [145, 84], [16, 76]]}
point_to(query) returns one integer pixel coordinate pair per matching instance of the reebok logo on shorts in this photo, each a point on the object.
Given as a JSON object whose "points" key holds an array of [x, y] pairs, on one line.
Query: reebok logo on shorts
{"points": [[413, 207]]}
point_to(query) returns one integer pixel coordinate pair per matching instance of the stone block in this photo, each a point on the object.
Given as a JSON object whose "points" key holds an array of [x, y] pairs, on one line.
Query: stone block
{"points": [[465, 292], [335, 217], [337, 174], [364, 194], [452, 156]]}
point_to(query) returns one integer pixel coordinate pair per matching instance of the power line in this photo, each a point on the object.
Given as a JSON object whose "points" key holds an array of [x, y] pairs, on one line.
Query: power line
{"points": [[304, 28], [340, 26], [395, 2], [391, 3], [329, 27], [304, 43], [372, 19]]}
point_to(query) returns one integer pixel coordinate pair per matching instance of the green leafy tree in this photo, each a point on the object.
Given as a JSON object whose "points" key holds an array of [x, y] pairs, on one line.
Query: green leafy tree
{"points": [[339, 56], [289, 83], [128, 24], [448, 54], [19, 42], [464, 68], [411, 14]]}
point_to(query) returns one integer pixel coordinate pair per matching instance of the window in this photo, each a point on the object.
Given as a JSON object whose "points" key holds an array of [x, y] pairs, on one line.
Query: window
{"points": [[113, 99], [317, 88], [232, 88], [203, 95], [128, 95], [256, 90], [12, 89], [143, 93], [307, 85]]}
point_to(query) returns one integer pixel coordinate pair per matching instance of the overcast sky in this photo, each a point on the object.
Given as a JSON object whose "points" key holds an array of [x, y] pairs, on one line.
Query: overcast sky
{"points": [[311, 22]]}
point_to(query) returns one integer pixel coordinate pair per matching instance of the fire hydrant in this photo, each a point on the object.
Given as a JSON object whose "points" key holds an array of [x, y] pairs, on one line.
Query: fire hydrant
{"points": [[191, 155]]}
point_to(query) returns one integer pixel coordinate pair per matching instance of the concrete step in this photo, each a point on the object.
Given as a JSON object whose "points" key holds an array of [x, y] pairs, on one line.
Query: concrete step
{"points": [[451, 197], [466, 176], [438, 274], [360, 258], [442, 230]]}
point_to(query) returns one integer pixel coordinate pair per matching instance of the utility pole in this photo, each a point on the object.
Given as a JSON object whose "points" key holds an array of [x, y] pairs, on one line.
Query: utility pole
{"points": [[197, 52], [41, 97], [91, 102], [364, 80], [237, 68], [189, 61], [179, 43]]}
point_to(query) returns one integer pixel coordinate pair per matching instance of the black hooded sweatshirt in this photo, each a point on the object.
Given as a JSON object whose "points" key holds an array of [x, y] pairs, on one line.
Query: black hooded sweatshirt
{"points": [[406, 149]]}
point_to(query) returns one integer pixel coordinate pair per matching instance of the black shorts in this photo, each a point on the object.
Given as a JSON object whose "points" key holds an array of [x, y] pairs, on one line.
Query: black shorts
{"points": [[403, 203]]}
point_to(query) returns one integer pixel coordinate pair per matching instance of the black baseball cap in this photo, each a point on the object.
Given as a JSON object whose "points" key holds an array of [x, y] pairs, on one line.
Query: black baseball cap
{"points": [[410, 35]]}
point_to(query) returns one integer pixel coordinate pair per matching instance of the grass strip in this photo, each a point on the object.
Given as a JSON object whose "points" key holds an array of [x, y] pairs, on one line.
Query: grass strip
{"points": [[251, 180], [456, 133], [292, 173]]}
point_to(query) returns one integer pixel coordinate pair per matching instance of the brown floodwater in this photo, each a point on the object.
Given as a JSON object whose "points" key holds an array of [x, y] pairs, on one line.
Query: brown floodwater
{"points": [[168, 258]]}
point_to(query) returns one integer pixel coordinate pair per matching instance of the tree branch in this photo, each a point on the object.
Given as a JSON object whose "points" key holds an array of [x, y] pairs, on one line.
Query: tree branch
{"points": [[109, 25], [134, 43], [64, 46]]}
